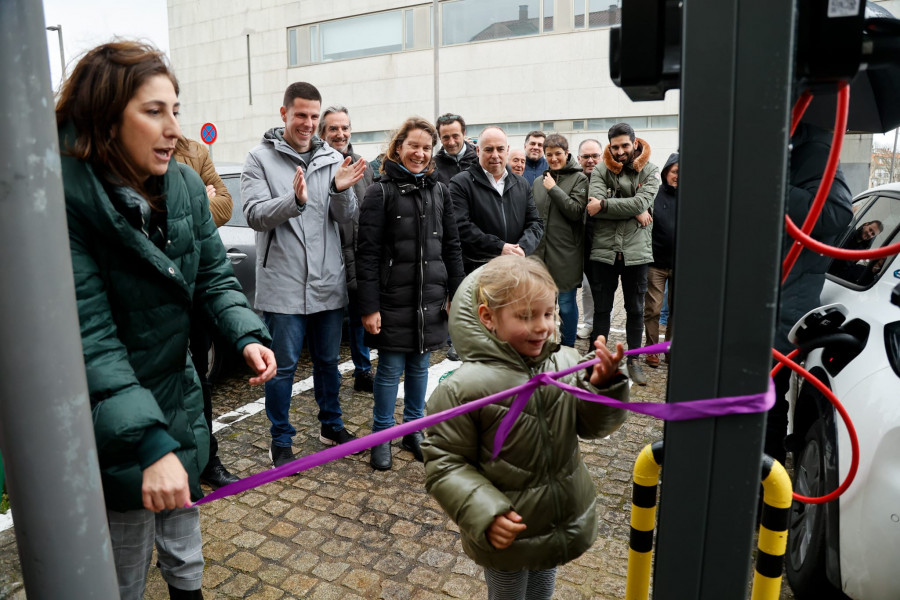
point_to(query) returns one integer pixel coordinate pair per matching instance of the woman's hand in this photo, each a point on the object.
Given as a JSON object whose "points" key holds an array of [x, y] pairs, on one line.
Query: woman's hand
{"points": [[260, 359], [609, 362], [548, 181], [372, 323], [504, 529], [165, 484]]}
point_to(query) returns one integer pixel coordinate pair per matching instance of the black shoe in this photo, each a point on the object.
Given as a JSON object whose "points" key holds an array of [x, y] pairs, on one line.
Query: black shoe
{"points": [[381, 459], [280, 455], [364, 382], [636, 372], [215, 475], [451, 352], [177, 594], [412, 442], [333, 437]]}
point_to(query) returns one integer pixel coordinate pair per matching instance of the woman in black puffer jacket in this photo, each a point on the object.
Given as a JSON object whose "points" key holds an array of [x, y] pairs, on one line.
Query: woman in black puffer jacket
{"points": [[408, 266]]}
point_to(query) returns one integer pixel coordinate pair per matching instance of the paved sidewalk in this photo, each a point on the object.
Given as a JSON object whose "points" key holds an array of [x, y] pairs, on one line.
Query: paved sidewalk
{"points": [[343, 531]]}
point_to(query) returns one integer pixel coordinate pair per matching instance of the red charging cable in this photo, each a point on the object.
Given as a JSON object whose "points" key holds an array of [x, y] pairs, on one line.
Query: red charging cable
{"points": [[801, 235]]}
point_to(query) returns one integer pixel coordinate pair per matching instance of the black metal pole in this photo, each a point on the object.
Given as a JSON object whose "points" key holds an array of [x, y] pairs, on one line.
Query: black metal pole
{"points": [[46, 435], [736, 80]]}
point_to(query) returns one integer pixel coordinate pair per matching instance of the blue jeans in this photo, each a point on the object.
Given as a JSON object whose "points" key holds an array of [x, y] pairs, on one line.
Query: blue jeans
{"points": [[568, 313], [324, 341], [664, 312], [359, 352], [391, 366]]}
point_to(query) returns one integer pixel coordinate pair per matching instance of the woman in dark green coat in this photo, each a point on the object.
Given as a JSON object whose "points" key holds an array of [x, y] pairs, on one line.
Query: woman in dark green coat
{"points": [[560, 196], [144, 252]]}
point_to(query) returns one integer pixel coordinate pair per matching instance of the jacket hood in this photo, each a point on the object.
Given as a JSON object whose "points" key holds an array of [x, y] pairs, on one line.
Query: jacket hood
{"points": [[275, 136], [673, 159], [641, 157], [474, 342]]}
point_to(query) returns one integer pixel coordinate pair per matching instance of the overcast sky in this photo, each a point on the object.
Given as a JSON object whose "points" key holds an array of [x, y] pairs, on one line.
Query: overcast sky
{"points": [[87, 23]]}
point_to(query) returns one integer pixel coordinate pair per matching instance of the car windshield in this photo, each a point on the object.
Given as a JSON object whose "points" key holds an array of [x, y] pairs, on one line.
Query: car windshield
{"points": [[876, 223]]}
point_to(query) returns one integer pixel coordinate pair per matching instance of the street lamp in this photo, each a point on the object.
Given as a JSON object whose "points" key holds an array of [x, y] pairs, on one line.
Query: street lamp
{"points": [[62, 54]]}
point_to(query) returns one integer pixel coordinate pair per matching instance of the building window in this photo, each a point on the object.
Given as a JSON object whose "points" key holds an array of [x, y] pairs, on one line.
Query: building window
{"points": [[601, 13], [476, 20], [356, 37]]}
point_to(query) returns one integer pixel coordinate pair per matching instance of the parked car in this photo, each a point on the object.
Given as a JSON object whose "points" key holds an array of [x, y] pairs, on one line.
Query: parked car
{"points": [[240, 248], [851, 547]]}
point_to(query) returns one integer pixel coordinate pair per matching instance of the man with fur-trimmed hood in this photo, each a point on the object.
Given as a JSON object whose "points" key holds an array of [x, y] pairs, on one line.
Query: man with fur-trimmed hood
{"points": [[620, 196]]}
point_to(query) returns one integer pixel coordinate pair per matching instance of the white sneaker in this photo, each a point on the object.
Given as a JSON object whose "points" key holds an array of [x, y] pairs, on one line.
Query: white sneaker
{"points": [[584, 331]]}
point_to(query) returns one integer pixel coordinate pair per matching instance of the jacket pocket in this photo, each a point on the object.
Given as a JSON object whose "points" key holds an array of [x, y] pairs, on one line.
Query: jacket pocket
{"points": [[386, 273], [268, 247]]}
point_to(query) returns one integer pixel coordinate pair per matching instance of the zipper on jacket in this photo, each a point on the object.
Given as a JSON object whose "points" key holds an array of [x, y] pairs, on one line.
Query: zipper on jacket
{"points": [[421, 286], [554, 486], [268, 246]]}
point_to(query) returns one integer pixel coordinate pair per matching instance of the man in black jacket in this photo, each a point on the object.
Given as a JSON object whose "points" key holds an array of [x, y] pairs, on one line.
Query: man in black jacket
{"points": [[494, 207], [456, 154]]}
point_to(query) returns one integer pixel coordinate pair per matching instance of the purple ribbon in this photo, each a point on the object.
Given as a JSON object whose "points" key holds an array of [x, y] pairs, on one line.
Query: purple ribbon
{"points": [[677, 411]]}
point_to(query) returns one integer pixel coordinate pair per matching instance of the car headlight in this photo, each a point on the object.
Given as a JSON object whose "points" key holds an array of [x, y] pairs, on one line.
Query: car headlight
{"points": [[892, 345]]}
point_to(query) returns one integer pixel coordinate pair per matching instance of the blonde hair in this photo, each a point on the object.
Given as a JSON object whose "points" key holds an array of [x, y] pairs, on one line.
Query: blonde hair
{"points": [[510, 278]]}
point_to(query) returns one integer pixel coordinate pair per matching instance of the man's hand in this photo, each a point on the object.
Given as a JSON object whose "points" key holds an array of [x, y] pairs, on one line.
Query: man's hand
{"points": [[210, 191], [644, 218], [348, 174], [300, 195], [594, 206], [504, 529], [548, 181], [372, 323], [165, 485], [260, 359], [512, 249]]}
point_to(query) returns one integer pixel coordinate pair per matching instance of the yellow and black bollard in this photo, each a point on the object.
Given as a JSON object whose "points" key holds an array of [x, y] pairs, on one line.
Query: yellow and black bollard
{"points": [[643, 521], [777, 498], [773, 525]]}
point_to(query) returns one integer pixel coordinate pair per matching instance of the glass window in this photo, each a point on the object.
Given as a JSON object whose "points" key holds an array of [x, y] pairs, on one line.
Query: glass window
{"points": [[368, 137], [579, 14], [576, 125], [601, 124], [477, 20], [293, 59], [876, 223], [314, 55], [548, 15], [664, 122], [377, 33], [233, 183], [410, 28], [604, 13], [548, 126]]}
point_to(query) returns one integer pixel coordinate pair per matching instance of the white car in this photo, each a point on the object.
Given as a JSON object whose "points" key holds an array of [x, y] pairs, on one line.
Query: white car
{"points": [[851, 547]]}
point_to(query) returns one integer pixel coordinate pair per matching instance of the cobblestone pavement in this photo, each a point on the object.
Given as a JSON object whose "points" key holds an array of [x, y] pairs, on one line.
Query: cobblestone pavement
{"points": [[343, 531]]}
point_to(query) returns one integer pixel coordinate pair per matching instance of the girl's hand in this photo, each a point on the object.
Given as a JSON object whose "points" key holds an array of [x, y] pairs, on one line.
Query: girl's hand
{"points": [[548, 181], [609, 362], [504, 529]]}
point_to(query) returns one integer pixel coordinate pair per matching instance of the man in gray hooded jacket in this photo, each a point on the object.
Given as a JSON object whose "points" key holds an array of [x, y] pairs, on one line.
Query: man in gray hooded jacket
{"points": [[297, 190]]}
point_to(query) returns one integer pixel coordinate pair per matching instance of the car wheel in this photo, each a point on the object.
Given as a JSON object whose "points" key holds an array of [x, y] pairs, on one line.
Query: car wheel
{"points": [[805, 564], [215, 362]]}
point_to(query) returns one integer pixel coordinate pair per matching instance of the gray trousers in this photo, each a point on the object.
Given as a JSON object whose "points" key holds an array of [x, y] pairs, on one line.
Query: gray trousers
{"points": [[176, 534]]}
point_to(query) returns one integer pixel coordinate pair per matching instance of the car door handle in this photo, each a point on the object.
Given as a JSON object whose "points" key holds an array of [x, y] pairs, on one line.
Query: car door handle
{"points": [[235, 256]]}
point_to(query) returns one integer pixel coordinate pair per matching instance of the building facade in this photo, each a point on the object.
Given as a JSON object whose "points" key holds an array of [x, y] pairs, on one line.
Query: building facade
{"points": [[523, 64]]}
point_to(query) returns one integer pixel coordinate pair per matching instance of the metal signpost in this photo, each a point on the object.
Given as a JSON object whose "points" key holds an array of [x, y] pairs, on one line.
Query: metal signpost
{"points": [[46, 434]]}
